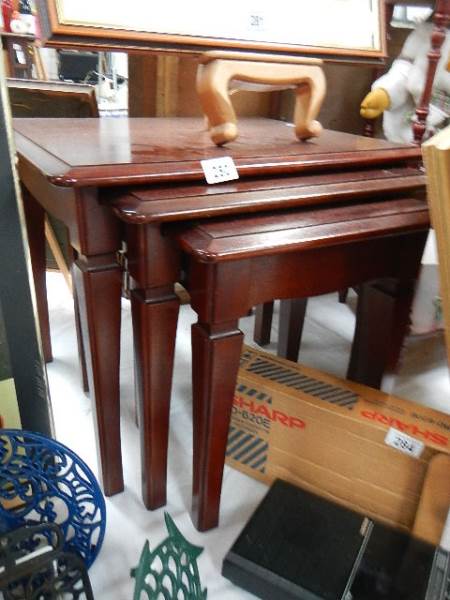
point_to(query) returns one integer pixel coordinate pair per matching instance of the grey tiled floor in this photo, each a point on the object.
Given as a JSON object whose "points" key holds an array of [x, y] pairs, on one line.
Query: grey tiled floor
{"points": [[326, 344]]}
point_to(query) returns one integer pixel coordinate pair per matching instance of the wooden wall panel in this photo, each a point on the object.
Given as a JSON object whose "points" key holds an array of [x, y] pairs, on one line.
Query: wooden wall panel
{"points": [[142, 85], [164, 86]]}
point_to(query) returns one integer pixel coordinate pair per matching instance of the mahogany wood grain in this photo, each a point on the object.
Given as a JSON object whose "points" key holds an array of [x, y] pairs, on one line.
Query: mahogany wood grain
{"points": [[390, 170], [114, 152], [95, 238], [155, 318], [385, 302], [98, 284], [79, 169], [292, 317], [220, 240], [216, 352], [234, 264], [180, 203], [263, 323], [155, 314]]}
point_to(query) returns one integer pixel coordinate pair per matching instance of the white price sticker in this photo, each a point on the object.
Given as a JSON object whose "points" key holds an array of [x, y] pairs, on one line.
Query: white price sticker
{"points": [[404, 442], [19, 53], [256, 22], [217, 170], [257, 18]]}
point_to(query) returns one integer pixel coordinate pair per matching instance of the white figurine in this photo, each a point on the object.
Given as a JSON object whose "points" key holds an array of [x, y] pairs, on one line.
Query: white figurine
{"points": [[399, 91], [16, 24]]}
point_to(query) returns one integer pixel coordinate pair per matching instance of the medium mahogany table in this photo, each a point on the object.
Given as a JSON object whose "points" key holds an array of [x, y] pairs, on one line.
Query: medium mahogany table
{"points": [[149, 170]]}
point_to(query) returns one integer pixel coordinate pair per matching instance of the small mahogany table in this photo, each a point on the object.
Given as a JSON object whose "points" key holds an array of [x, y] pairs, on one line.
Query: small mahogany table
{"points": [[234, 264], [150, 171]]}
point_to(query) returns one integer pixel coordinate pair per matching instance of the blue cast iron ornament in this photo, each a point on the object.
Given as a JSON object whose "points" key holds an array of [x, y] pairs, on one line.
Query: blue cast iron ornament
{"points": [[43, 481], [170, 571]]}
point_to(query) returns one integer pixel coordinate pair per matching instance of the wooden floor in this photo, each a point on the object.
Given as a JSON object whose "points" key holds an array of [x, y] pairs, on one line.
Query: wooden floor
{"points": [[423, 377]]}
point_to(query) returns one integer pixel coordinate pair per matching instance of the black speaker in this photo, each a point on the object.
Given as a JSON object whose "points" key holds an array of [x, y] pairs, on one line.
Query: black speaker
{"points": [[300, 546]]}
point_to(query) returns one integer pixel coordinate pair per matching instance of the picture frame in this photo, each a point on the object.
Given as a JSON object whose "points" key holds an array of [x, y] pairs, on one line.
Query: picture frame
{"points": [[36, 98], [283, 28]]}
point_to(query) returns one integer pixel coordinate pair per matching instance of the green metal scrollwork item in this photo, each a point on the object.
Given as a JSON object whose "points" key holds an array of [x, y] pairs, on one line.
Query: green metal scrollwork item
{"points": [[171, 570]]}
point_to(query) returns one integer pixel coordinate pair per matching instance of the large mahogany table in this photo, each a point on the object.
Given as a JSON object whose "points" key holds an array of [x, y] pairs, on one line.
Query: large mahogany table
{"points": [[150, 170]]}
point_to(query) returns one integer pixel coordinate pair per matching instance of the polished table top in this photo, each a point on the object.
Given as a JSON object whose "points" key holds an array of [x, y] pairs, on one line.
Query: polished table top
{"points": [[115, 152], [141, 205], [267, 234]]}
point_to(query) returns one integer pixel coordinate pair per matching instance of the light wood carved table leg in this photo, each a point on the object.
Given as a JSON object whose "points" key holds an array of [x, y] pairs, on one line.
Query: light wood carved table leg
{"points": [[214, 77]]}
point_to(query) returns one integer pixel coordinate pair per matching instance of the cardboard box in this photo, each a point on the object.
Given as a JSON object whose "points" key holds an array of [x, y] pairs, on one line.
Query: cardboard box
{"points": [[328, 436]]}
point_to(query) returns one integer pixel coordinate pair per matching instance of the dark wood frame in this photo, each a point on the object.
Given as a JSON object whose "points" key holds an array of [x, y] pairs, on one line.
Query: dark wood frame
{"points": [[58, 34], [11, 42], [82, 94]]}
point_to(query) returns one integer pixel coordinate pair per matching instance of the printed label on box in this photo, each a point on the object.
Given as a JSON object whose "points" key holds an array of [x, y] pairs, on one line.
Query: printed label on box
{"points": [[329, 436], [403, 442]]}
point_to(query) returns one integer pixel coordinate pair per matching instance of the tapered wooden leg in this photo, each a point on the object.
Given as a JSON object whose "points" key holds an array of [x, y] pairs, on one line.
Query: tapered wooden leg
{"points": [[216, 353], [263, 323], [155, 315], [35, 218], [98, 284], [403, 292], [372, 336], [292, 318], [382, 322], [343, 295]]}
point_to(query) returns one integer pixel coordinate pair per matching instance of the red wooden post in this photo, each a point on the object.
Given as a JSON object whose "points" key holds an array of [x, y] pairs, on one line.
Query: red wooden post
{"points": [[440, 19]]}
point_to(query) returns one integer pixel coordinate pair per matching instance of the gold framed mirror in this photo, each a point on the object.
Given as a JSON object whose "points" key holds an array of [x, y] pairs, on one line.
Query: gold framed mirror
{"points": [[323, 28]]}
